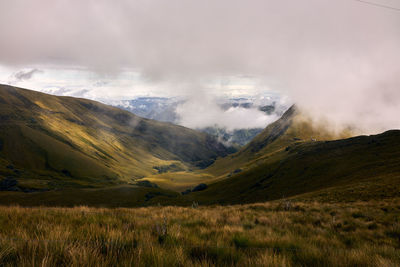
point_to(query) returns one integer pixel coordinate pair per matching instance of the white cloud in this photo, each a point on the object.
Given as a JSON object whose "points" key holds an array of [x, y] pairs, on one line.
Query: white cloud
{"points": [[202, 110]]}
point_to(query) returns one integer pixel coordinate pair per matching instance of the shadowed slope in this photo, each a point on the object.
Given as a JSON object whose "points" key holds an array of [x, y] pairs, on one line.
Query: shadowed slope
{"points": [[362, 167]]}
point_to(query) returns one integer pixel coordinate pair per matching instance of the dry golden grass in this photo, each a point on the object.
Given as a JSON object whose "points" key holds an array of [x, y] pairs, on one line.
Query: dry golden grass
{"points": [[179, 181], [271, 234]]}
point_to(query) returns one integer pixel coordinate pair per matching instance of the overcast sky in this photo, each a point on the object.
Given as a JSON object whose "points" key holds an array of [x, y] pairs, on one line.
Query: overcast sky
{"points": [[339, 59]]}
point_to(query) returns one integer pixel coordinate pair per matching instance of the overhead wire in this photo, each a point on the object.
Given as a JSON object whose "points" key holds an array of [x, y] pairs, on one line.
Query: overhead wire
{"points": [[378, 5]]}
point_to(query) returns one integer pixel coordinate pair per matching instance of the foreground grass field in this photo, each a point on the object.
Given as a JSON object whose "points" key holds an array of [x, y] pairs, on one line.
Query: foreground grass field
{"points": [[281, 233]]}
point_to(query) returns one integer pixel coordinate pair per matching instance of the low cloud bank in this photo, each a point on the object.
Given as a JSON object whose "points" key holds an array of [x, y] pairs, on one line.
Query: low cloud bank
{"points": [[195, 114]]}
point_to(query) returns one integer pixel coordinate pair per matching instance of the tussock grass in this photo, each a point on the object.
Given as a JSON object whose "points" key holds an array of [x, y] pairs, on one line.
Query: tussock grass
{"points": [[268, 234]]}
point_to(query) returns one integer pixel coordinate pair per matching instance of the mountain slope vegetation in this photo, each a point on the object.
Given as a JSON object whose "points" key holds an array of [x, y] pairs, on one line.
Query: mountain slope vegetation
{"points": [[293, 127], [363, 167], [50, 142]]}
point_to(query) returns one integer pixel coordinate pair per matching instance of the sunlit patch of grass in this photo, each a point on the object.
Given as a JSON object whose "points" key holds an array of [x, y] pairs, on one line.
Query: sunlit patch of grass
{"points": [[179, 181]]}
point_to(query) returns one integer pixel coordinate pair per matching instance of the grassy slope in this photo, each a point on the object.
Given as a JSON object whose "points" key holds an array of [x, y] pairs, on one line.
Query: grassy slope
{"points": [[268, 146], [180, 181], [269, 234], [112, 197], [363, 167], [58, 142]]}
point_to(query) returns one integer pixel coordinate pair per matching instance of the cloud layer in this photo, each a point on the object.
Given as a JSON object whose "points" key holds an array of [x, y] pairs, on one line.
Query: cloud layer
{"points": [[339, 59], [203, 111]]}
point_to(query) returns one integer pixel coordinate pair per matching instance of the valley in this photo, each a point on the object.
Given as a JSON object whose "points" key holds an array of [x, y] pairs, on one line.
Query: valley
{"points": [[63, 151], [89, 183], [61, 142]]}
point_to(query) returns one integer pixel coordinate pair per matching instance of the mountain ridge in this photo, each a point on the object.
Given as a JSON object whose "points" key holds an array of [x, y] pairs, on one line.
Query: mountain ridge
{"points": [[292, 127], [365, 167], [68, 137]]}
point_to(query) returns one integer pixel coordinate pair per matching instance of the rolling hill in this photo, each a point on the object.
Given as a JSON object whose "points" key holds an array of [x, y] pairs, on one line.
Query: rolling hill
{"points": [[293, 157], [49, 142], [293, 127]]}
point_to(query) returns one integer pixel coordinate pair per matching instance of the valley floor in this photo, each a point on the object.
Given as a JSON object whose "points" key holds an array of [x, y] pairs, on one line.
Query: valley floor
{"points": [[280, 233]]}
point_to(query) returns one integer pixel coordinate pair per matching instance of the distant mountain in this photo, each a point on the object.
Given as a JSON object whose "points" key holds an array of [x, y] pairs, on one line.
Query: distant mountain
{"points": [[49, 142], [164, 109], [235, 138], [155, 108]]}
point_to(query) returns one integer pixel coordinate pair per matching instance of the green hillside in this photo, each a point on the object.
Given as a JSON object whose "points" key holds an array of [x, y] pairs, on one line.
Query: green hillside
{"points": [[358, 168], [293, 127], [51, 142]]}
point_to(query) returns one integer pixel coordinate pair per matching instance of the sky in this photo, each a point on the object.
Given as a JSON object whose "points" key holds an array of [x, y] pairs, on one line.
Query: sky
{"points": [[339, 60], [126, 84]]}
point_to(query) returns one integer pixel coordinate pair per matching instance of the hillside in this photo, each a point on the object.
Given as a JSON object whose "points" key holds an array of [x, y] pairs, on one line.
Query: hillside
{"points": [[292, 128], [50, 142], [358, 168]]}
